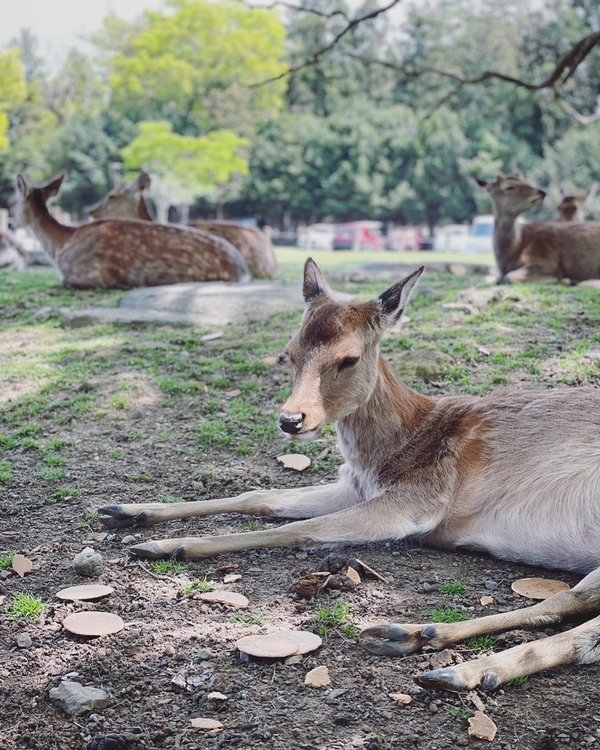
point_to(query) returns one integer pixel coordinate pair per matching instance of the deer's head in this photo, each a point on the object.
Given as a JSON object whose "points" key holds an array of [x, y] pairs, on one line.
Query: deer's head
{"points": [[123, 202], [511, 195], [335, 352], [570, 207], [32, 199]]}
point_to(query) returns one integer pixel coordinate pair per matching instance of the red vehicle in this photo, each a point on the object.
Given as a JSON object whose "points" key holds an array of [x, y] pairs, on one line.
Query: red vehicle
{"points": [[408, 239], [358, 235]]}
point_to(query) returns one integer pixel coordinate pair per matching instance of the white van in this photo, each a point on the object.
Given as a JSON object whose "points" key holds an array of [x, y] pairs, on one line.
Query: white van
{"points": [[481, 236]]}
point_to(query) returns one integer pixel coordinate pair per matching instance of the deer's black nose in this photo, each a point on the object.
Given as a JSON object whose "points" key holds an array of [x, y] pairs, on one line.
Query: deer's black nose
{"points": [[291, 423]]}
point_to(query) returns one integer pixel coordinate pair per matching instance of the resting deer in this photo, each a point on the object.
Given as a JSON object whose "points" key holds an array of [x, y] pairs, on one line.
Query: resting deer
{"points": [[128, 202], [543, 250], [124, 254], [516, 474], [13, 257], [571, 206]]}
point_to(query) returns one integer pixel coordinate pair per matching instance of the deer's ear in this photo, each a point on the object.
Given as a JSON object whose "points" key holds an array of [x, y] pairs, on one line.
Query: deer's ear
{"points": [[144, 181], [315, 284], [481, 183], [22, 185], [392, 303], [52, 188]]}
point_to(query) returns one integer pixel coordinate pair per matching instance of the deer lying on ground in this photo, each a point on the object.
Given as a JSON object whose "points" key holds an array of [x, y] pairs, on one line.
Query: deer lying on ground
{"points": [[13, 257], [571, 206], [516, 474], [540, 251], [128, 202], [124, 254]]}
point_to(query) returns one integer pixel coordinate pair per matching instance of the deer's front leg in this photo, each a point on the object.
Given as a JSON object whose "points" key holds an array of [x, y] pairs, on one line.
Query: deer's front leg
{"points": [[379, 519], [299, 502]]}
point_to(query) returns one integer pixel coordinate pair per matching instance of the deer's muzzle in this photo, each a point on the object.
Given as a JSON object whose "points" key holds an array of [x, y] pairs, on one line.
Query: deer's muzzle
{"points": [[291, 423]]}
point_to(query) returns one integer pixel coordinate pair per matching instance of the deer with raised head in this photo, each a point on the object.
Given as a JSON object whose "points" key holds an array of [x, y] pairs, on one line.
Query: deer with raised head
{"points": [[515, 474], [539, 251], [128, 202], [571, 205], [125, 254]]}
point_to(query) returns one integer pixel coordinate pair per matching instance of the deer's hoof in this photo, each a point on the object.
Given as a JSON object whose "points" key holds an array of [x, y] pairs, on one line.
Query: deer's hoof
{"points": [[442, 679], [119, 517], [149, 551], [394, 640]]}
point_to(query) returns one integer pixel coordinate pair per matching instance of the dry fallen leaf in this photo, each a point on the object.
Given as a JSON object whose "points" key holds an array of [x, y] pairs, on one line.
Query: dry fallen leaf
{"points": [[538, 588], [485, 601], [210, 724], [21, 565], [229, 598], [212, 336], [279, 644], [216, 696], [296, 461], [476, 701], [482, 727], [318, 677], [232, 578], [84, 592], [366, 568], [401, 698], [270, 360], [93, 623], [353, 576]]}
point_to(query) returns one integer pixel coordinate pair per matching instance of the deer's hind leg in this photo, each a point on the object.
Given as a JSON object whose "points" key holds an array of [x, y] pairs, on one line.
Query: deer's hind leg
{"points": [[579, 645]]}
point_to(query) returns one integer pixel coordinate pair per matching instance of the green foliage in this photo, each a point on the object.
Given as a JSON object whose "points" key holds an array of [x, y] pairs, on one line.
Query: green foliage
{"points": [[166, 567], [198, 587], [26, 607], [328, 621], [454, 588], [480, 643], [445, 614], [6, 473], [13, 90], [6, 561]]}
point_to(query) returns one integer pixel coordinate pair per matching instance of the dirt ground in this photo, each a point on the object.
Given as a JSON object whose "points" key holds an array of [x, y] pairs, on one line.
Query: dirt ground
{"points": [[150, 450]]}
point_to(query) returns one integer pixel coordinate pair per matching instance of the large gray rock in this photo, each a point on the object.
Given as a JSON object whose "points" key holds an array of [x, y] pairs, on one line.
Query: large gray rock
{"points": [[74, 698], [88, 563]]}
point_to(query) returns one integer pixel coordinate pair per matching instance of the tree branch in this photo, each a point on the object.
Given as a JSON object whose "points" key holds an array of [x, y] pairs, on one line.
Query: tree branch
{"points": [[315, 57], [299, 8]]}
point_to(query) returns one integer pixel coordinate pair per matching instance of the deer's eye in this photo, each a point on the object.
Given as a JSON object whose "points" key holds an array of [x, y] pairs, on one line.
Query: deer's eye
{"points": [[347, 362]]}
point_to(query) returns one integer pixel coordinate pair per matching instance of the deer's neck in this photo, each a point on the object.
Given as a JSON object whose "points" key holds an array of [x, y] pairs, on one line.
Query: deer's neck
{"points": [[51, 233], [384, 423], [507, 242], [143, 210]]}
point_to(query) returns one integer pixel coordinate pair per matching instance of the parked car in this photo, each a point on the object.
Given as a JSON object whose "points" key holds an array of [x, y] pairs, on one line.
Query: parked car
{"points": [[317, 237], [481, 235], [358, 235], [407, 239], [451, 238]]}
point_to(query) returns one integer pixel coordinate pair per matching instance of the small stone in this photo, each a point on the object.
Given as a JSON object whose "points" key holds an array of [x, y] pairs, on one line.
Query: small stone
{"points": [[216, 696], [24, 640], [169, 650], [88, 563], [318, 677], [73, 698], [95, 719], [294, 659], [203, 654], [5, 573], [129, 539], [491, 585]]}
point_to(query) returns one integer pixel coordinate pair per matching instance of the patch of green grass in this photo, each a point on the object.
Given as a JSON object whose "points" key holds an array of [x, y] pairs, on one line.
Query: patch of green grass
{"points": [[54, 460], [454, 588], [56, 444], [6, 472], [119, 402], [7, 443], [143, 477], [327, 621], [240, 618], [65, 493], [198, 587], [254, 526], [116, 453], [214, 434], [169, 499], [480, 643], [458, 713], [6, 561], [167, 567], [26, 607], [29, 444], [221, 381], [53, 475], [445, 614], [518, 681]]}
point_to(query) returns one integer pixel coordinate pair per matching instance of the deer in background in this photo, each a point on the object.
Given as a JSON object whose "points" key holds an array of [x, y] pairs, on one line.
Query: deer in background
{"points": [[571, 206], [13, 256], [539, 251], [516, 474], [128, 202], [124, 254]]}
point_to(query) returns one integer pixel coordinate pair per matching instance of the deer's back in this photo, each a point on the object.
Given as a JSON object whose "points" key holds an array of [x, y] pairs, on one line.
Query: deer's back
{"points": [[252, 243], [562, 249], [135, 253]]}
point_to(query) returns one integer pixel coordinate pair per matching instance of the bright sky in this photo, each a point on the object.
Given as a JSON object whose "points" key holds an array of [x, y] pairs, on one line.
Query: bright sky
{"points": [[60, 22]]}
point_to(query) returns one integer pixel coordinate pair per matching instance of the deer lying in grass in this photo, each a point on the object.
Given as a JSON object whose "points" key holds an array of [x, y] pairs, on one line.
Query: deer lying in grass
{"points": [[128, 202], [516, 474], [571, 206], [539, 251], [124, 254]]}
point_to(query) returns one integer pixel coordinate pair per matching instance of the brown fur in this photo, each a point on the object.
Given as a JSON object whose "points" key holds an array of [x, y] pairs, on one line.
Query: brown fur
{"points": [[571, 207], [255, 246], [124, 254]]}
